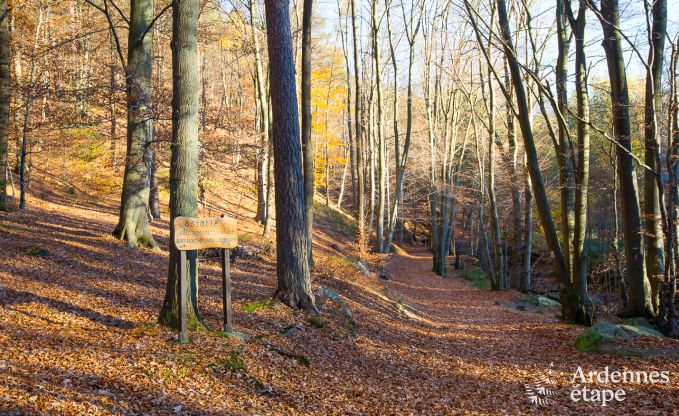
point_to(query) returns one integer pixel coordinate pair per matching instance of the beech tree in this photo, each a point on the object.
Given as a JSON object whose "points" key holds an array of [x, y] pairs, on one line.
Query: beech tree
{"points": [[307, 141], [184, 160], [639, 304], [133, 222], [5, 84]]}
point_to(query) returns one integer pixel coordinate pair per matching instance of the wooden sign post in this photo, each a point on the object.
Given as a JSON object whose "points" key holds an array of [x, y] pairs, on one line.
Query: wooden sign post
{"points": [[200, 233]]}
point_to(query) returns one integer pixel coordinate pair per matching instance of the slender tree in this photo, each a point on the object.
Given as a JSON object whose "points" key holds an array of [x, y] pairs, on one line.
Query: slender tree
{"points": [[292, 266], [358, 109], [185, 154], [639, 286], [5, 85], [653, 236], [307, 140]]}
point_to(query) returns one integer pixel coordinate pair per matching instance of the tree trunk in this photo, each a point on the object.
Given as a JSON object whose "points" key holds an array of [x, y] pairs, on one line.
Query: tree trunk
{"points": [[667, 316], [5, 91], [652, 191], [292, 266], [540, 194], [185, 155], [582, 303], [359, 130], [263, 111], [639, 286], [525, 284], [133, 223], [307, 141], [154, 198]]}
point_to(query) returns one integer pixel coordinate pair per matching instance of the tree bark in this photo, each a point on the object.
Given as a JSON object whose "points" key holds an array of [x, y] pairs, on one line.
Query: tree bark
{"points": [[307, 141], [185, 155], [133, 222], [652, 192], [582, 302], [5, 94], [360, 209], [639, 286], [292, 266]]}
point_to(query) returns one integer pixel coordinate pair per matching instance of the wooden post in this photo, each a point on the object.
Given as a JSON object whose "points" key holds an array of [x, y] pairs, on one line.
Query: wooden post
{"points": [[226, 289], [182, 336]]}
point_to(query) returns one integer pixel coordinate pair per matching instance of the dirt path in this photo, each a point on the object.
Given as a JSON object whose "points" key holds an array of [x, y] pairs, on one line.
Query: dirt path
{"points": [[488, 352], [78, 335]]}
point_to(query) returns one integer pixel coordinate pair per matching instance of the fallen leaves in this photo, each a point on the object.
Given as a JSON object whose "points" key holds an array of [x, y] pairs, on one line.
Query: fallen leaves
{"points": [[78, 336]]}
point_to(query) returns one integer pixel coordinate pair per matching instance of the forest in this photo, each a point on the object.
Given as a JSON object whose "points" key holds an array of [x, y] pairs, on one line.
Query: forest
{"points": [[443, 207]]}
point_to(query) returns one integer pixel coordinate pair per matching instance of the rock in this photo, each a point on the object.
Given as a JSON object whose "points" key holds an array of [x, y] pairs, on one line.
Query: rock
{"points": [[553, 296], [177, 409], [592, 337], [546, 302], [637, 327], [384, 276], [324, 295], [360, 266], [244, 251]]}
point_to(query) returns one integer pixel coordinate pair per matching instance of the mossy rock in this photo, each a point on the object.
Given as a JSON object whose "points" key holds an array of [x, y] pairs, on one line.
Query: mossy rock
{"points": [[637, 327], [591, 338], [546, 302]]}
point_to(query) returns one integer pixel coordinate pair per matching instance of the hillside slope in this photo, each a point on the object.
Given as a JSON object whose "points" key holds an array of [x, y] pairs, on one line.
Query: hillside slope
{"points": [[78, 332]]}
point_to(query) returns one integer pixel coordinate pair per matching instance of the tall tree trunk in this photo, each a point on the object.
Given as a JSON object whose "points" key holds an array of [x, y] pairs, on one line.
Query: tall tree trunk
{"points": [[564, 150], [525, 284], [359, 130], [509, 155], [540, 194], [411, 29], [344, 36], [652, 191], [154, 197], [263, 111], [381, 162], [268, 221], [307, 141], [5, 91], [667, 316], [133, 223], [639, 286], [292, 266], [185, 155], [583, 304]]}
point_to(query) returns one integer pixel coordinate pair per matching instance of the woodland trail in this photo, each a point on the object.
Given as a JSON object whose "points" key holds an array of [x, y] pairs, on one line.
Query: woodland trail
{"points": [[491, 351], [78, 335]]}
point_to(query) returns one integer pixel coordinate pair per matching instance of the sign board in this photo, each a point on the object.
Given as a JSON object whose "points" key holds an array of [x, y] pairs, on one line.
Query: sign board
{"points": [[199, 233]]}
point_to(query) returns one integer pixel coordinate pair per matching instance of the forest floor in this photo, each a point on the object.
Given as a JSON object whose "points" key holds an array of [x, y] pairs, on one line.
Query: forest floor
{"points": [[78, 332]]}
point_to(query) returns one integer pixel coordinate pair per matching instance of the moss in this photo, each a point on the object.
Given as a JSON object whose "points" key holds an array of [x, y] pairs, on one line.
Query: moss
{"points": [[316, 321], [590, 338], [258, 304], [477, 277], [232, 363], [297, 357], [37, 252]]}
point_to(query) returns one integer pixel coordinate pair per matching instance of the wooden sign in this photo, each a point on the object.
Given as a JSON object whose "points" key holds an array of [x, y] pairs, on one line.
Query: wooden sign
{"points": [[198, 233], [195, 234]]}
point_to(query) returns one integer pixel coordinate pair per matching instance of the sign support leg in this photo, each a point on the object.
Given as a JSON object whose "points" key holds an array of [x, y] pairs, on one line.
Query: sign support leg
{"points": [[182, 336], [226, 289]]}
